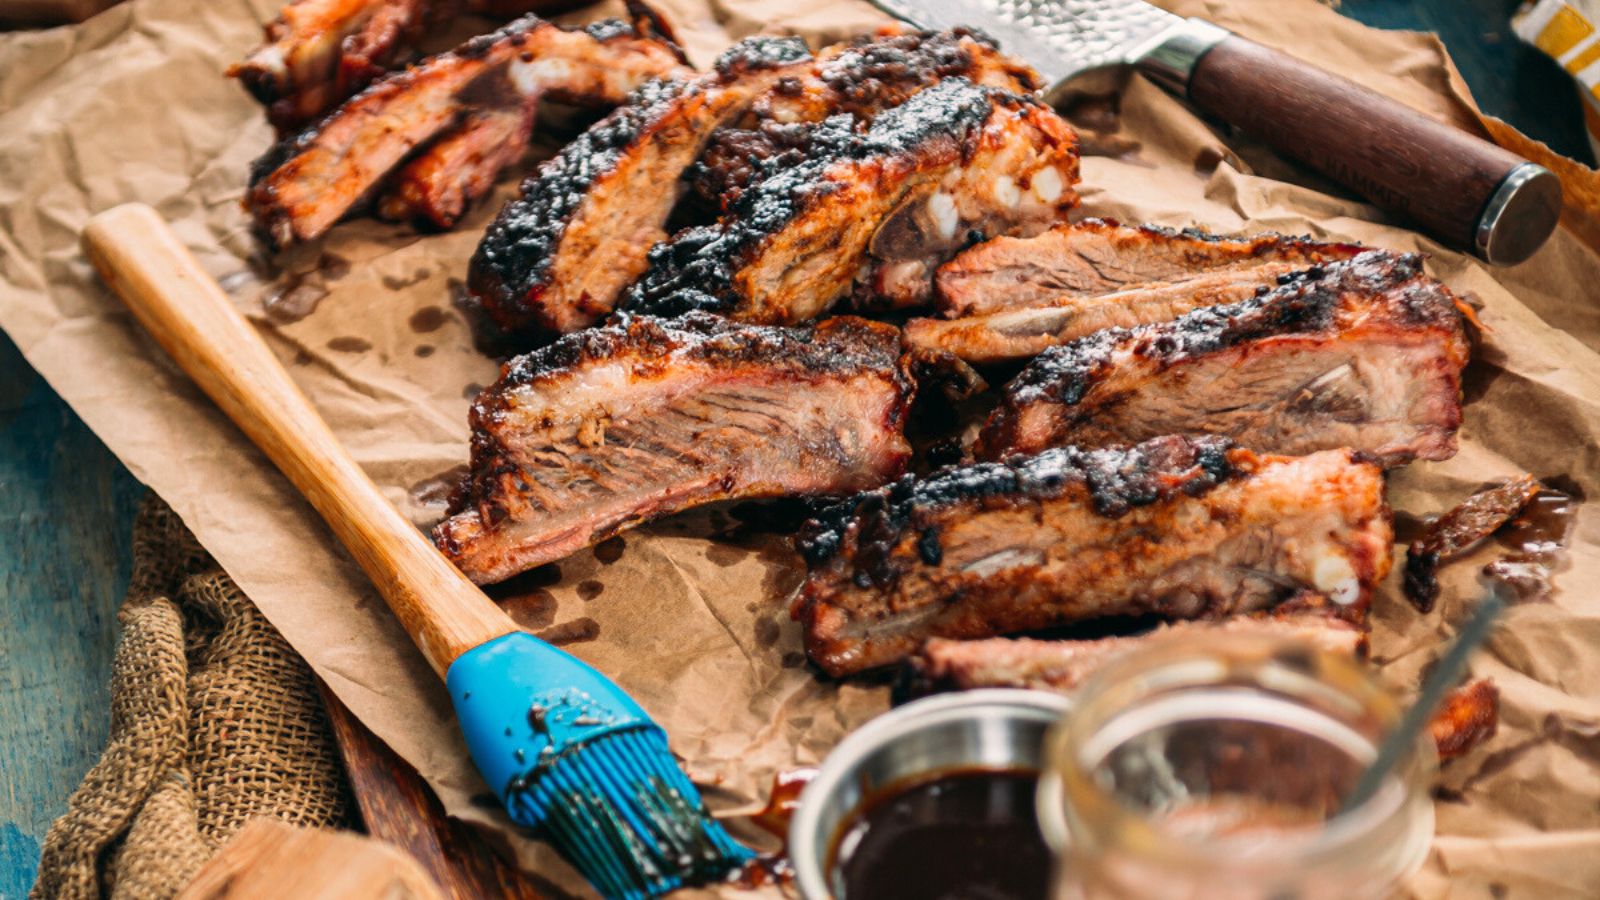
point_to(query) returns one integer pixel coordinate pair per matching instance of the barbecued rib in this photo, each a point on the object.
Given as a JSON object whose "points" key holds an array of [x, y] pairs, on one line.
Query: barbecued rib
{"points": [[1365, 353], [316, 53], [615, 426], [1179, 527], [556, 258], [882, 208], [303, 185], [861, 78], [1467, 718], [1063, 665], [1099, 256], [1017, 334], [436, 187]]}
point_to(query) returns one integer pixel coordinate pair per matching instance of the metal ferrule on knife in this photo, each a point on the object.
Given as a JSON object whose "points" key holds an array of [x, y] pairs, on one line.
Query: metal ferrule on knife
{"points": [[1168, 58]]}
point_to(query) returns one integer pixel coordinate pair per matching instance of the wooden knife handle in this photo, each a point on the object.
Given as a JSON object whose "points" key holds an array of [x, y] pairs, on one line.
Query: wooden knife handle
{"points": [[1467, 191], [191, 317]]}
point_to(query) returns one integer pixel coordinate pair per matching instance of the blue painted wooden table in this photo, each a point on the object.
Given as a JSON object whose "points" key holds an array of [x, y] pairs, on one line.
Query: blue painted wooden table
{"points": [[67, 505]]}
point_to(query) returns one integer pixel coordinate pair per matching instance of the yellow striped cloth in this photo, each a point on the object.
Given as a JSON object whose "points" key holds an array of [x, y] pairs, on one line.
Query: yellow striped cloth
{"points": [[1568, 31]]}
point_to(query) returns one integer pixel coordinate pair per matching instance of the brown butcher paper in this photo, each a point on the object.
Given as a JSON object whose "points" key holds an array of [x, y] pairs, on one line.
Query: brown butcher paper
{"points": [[691, 615]]}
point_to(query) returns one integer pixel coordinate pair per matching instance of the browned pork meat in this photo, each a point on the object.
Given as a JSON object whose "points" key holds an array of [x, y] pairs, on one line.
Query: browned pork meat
{"points": [[615, 426], [1365, 353], [1018, 334], [556, 258], [306, 184], [1099, 256], [1467, 718], [880, 209], [435, 188], [1017, 296], [861, 78], [316, 53], [1458, 531], [1178, 527], [1062, 665]]}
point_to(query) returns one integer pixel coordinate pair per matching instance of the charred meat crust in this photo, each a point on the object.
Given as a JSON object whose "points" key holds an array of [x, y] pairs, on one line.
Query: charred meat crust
{"points": [[1179, 527], [1058, 393], [836, 346], [317, 53], [614, 426], [867, 527], [860, 78], [1096, 256], [837, 200], [305, 184], [1458, 530], [514, 265], [872, 72]]}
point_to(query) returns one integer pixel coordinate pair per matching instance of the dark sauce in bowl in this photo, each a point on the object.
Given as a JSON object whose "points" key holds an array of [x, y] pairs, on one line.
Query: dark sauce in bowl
{"points": [[971, 834]]}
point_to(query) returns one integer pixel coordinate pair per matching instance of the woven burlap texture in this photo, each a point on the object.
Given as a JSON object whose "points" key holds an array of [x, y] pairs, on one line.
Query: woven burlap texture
{"points": [[214, 721]]}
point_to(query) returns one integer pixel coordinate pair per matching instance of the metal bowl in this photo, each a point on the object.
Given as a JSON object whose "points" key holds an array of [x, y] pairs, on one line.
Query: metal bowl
{"points": [[987, 729]]}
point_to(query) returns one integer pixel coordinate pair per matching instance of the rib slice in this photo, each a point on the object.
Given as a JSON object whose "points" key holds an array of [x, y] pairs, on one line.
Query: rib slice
{"points": [[884, 208], [1467, 718], [1179, 527], [1099, 256], [301, 187], [317, 53], [1018, 334], [556, 258], [1366, 353], [1063, 665], [616, 426], [436, 188], [860, 77]]}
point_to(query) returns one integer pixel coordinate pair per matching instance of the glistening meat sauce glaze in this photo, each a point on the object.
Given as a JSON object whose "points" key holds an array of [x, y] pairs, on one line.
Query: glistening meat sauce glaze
{"points": [[969, 834]]}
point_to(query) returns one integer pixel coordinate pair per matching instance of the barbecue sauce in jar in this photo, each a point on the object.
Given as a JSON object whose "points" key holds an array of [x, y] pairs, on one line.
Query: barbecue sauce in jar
{"points": [[970, 834]]}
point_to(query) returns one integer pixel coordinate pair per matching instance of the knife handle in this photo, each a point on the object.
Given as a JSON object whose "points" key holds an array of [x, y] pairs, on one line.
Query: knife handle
{"points": [[1465, 190]]}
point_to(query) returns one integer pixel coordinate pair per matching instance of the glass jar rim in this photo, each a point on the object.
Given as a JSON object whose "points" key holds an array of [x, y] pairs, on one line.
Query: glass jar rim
{"points": [[1066, 778]]}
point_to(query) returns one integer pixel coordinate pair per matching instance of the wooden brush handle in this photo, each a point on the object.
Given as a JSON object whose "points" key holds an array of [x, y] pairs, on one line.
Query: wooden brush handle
{"points": [[1467, 191], [194, 321]]}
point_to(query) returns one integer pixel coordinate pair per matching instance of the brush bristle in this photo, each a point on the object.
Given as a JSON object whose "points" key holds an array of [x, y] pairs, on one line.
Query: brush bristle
{"points": [[621, 810]]}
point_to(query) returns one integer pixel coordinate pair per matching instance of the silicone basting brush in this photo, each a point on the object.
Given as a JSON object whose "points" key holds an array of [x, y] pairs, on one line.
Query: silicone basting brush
{"points": [[567, 751]]}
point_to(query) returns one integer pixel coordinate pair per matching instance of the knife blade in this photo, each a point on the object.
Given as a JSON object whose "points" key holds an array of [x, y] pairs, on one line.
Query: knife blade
{"points": [[1466, 191], [1066, 40]]}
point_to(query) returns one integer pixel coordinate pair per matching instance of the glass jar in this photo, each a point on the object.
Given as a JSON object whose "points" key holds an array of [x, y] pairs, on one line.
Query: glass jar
{"points": [[1215, 768]]}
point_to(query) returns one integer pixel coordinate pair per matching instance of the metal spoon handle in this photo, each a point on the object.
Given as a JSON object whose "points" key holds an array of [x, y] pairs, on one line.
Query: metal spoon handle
{"points": [[1439, 682]]}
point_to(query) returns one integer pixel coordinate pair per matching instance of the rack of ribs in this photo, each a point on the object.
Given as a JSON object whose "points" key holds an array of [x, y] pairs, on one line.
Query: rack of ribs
{"points": [[317, 53], [1100, 256], [555, 258], [615, 426], [861, 78], [1178, 527], [881, 208], [305, 184], [1467, 718], [1062, 665], [1365, 353], [1011, 298]]}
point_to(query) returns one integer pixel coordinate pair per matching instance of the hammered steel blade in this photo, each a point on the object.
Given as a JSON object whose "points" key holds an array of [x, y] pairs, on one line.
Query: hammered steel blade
{"points": [[1063, 39]]}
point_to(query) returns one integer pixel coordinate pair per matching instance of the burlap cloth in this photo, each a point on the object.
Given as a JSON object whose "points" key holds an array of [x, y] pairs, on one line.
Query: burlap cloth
{"points": [[214, 721]]}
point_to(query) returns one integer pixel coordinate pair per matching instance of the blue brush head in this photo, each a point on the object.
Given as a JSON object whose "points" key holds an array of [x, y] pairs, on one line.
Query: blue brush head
{"points": [[574, 758]]}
